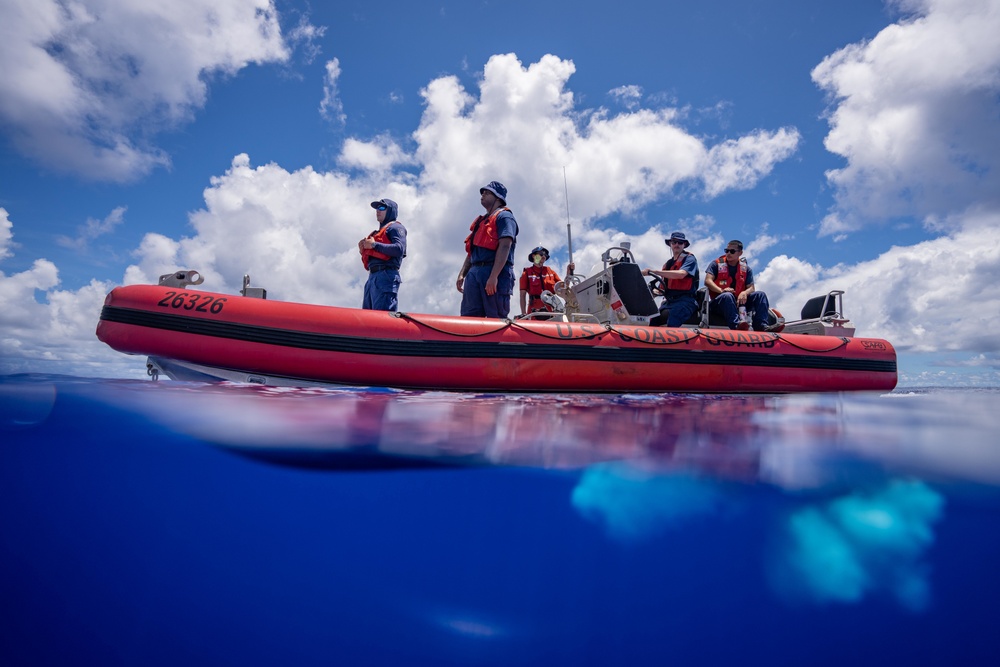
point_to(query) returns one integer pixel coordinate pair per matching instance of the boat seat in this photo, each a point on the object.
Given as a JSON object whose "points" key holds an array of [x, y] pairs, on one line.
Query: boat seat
{"points": [[819, 306], [700, 317], [632, 289]]}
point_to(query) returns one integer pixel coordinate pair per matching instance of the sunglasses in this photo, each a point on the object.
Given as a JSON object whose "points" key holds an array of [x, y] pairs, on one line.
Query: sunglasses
{"points": [[382, 208], [676, 242], [731, 251]]}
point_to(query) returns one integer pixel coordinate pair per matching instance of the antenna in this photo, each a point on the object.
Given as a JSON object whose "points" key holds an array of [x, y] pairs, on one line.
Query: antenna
{"points": [[569, 229]]}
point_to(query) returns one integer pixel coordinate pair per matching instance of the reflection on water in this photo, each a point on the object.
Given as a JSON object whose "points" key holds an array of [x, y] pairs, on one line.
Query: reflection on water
{"points": [[830, 501], [793, 442]]}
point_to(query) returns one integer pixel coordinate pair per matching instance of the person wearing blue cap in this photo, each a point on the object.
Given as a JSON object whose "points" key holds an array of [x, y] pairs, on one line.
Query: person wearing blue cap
{"points": [[382, 254], [680, 275], [486, 280]]}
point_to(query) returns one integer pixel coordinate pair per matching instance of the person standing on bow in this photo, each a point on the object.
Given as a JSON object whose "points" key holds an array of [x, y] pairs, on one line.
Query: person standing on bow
{"points": [[382, 254], [730, 284], [486, 280], [537, 278], [680, 274]]}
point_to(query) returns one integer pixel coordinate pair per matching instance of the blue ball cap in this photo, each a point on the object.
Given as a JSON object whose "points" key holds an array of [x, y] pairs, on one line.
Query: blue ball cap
{"points": [[388, 203]]}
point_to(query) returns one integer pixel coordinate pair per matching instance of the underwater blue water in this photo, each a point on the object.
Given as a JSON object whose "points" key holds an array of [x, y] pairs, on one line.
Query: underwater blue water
{"points": [[174, 523]]}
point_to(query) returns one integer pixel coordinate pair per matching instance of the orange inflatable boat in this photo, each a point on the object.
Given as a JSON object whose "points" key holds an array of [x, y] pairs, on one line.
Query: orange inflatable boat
{"points": [[190, 334]]}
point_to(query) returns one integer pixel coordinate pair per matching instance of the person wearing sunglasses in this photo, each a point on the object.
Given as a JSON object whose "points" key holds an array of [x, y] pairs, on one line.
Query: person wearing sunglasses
{"points": [[486, 279], [680, 278], [729, 280], [382, 254]]}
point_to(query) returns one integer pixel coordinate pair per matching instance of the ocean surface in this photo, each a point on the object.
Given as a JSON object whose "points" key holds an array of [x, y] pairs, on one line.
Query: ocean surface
{"points": [[165, 523]]}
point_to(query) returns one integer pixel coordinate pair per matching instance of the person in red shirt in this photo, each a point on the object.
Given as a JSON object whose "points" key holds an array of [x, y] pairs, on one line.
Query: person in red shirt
{"points": [[537, 278]]}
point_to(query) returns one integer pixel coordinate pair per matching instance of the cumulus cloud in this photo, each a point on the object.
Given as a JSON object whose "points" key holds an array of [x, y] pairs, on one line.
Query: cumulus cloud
{"points": [[762, 242], [380, 154], [858, 545], [737, 164], [6, 233], [296, 232], [56, 335], [331, 108], [914, 114], [86, 84], [633, 505], [900, 295]]}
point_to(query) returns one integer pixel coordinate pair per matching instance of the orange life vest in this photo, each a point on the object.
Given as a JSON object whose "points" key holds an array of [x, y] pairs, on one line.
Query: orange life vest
{"points": [[683, 284], [484, 232], [724, 279], [380, 235], [534, 281]]}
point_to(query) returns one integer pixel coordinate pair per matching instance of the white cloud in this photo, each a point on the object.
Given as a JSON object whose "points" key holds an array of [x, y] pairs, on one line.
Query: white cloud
{"points": [[975, 361], [915, 115], [93, 229], [304, 37], [87, 83], [296, 232], [6, 233], [56, 336], [738, 164], [628, 96], [906, 295], [762, 242], [331, 108], [379, 154]]}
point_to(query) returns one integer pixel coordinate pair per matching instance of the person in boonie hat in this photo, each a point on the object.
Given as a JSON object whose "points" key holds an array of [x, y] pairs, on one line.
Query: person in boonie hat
{"points": [[382, 254], [486, 279], [677, 236], [680, 282], [498, 190]]}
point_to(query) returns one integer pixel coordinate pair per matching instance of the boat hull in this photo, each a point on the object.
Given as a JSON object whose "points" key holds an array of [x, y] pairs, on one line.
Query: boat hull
{"points": [[309, 343]]}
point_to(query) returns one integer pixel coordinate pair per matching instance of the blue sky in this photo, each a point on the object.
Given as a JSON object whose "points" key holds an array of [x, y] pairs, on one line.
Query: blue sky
{"points": [[850, 145]]}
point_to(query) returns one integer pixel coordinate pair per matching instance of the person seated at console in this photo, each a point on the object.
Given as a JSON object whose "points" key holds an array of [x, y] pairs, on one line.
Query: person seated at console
{"points": [[729, 280], [680, 275]]}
